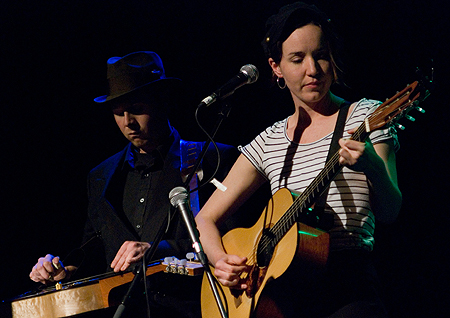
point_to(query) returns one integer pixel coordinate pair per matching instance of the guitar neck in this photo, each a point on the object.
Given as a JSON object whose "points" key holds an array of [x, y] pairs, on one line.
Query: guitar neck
{"points": [[301, 205], [323, 180]]}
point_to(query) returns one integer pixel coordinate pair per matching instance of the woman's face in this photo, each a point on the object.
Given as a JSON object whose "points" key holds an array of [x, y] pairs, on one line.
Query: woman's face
{"points": [[305, 65]]}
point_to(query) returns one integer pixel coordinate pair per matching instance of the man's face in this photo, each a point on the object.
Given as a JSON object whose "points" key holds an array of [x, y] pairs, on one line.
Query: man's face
{"points": [[144, 125]]}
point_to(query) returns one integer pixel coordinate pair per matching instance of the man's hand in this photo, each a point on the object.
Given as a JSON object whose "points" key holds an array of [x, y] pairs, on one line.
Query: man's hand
{"points": [[129, 253], [48, 269]]}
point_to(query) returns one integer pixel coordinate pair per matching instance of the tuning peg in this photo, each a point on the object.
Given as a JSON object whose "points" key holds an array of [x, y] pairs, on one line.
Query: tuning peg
{"points": [[182, 267], [190, 256], [417, 107], [401, 127], [410, 118], [420, 109], [174, 265], [168, 260]]}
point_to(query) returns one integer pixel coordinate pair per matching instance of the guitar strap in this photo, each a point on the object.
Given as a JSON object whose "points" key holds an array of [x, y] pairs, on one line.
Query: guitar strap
{"points": [[324, 220]]}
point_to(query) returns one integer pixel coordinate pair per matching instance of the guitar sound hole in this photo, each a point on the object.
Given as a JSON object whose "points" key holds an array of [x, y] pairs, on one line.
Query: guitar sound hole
{"points": [[265, 250]]}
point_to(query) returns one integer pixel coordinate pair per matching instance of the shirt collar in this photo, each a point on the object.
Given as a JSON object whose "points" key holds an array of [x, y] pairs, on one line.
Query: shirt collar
{"points": [[171, 144]]}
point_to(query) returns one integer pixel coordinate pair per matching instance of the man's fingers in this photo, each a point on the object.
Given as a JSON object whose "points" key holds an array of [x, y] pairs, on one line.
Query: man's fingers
{"points": [[130, 252], [118, 265], [118, 257], [119, 262], [48, 268], [56, 264]]}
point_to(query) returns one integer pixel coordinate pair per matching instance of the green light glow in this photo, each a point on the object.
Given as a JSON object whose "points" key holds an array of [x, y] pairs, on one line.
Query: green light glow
{"points": [[307, 233]]}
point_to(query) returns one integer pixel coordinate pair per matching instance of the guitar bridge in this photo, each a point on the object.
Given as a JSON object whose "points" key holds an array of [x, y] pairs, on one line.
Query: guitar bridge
{"points": [[255, 280]]}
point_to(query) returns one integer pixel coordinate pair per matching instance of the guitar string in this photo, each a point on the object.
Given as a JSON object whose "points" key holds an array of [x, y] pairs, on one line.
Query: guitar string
{"points": [[286, 222], [288, 219], [299, 203]]}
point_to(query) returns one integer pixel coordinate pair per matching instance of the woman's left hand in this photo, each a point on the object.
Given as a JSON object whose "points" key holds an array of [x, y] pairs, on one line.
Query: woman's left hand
{"points": [[355, 154]]}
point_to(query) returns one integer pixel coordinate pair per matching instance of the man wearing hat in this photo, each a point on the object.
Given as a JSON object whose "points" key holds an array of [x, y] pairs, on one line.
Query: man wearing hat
{"points": [[129, 192]]}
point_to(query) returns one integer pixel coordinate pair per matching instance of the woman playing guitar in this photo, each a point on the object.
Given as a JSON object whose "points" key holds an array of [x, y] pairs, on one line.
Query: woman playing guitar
{"points": [[301, 48]]}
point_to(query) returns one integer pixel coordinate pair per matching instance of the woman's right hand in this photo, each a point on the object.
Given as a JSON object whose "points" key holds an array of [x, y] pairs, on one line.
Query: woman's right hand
{"points": [[228, 270], [48, 269]]}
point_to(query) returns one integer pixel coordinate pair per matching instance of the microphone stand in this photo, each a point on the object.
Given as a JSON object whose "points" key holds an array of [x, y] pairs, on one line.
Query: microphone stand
{"points": [[190, 222]]}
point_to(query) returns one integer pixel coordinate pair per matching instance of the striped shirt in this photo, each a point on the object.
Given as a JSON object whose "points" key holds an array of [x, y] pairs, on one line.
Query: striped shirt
{"points": [[286, 164]]}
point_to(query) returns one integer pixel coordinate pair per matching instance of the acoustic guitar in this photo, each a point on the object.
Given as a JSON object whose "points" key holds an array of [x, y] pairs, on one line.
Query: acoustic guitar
{"points": [[89, 294], [279, 235]]}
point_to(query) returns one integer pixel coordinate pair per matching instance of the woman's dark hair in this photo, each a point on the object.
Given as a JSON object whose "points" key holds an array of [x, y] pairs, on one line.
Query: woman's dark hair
{"points": [[293, 16]]}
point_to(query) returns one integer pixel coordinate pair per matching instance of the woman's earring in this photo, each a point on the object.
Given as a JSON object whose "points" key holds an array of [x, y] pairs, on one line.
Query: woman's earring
{"points": [[278, 83]]}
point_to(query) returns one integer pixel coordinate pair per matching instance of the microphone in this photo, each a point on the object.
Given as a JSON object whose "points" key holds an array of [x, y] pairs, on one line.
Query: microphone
{"points": [[179, 199], [248, 74]]}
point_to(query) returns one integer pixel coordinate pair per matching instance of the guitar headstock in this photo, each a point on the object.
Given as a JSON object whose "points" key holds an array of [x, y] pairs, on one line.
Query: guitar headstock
{"points": [[395, 108], [182, 266]]}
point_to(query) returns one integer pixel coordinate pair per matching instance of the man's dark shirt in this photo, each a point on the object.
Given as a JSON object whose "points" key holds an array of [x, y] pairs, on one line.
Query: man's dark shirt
{"points": [[142, 172], [115, 181]]}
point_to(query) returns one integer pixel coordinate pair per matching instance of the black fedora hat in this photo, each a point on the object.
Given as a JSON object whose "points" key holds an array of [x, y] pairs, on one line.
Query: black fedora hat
{"points": [[133, 71]]}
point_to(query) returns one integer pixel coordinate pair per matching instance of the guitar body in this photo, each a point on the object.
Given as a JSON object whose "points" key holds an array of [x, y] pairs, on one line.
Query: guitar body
{"points": [[89, 294], [309, 244]]}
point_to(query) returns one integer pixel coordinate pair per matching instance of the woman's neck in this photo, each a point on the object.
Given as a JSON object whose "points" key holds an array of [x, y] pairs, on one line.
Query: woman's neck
{"points": [[314, 118], [326, 107]]}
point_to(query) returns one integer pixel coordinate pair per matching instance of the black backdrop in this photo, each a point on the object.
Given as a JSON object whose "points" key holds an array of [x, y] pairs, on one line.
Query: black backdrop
{"points": [[53, 63]]}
